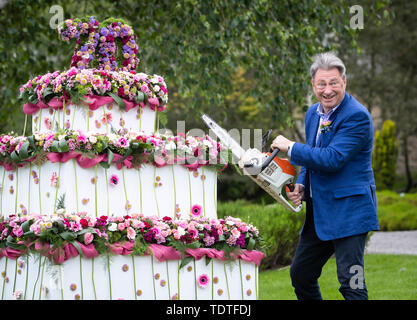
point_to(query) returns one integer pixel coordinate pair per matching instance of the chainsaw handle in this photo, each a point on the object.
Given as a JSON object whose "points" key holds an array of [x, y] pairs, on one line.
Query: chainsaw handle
{"points": [[269, 159]]}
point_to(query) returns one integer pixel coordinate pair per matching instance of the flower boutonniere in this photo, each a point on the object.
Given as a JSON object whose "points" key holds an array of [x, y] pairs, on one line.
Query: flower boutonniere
{"points": [[325, 126]]}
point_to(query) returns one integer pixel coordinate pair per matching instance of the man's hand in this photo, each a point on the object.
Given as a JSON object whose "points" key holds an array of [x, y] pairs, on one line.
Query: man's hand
{"points": [[281, 143], [296, 195]]}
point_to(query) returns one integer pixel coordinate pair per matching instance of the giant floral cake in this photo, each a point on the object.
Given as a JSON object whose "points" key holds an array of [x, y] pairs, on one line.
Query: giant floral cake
{"points": [[96, 203]]}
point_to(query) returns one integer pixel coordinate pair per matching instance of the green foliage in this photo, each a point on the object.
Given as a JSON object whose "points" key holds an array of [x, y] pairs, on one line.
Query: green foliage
{"points": [[385, 156], [196, 45], [278, 227], [397, 211]]}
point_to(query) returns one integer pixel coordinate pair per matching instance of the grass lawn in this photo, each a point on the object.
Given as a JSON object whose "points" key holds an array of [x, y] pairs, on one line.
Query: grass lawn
{"points": [[387, 277]]}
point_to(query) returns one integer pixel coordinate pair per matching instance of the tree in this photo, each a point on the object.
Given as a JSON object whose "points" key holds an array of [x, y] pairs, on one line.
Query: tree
{"points": [[384, 70], [196, 45], [385, 156]]}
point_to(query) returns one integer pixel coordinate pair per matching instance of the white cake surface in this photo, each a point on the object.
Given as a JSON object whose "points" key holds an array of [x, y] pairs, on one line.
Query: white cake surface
{"points": [[165, 191], [104, 119]]}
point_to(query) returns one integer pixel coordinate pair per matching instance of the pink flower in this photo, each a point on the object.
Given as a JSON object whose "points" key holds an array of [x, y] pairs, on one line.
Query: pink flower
{"points": [[196, 210], [88, 238], [203, 281], [82, 138], [106, 118], [54, 180], [121, 226], [123, 143], [235, 233], [131, 233], [114, 180], [144, 88], [47, 123]]}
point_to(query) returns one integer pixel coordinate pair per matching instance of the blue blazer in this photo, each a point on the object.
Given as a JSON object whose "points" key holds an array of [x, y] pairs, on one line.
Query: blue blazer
{"points": [[339, 170]]}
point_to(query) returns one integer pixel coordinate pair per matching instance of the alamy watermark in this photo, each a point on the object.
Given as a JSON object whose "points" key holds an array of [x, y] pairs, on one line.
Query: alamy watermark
{"points": [[357, 281], [356, 21]]}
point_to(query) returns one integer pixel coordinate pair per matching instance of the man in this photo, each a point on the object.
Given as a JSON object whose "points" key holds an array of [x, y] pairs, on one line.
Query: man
{"points": [[336, 181]]}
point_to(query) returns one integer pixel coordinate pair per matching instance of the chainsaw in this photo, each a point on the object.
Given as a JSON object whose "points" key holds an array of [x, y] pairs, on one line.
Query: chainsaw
{"points": [[267, 170]]}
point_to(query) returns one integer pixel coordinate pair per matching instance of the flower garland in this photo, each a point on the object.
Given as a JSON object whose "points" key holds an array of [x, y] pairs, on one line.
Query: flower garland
{"points": [[132, 234], [109, 45], [76, 85], [125, 148]]}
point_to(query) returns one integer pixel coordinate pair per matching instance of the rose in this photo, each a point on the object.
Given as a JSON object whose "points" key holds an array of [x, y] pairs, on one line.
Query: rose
{"points": [[131, 233], [84, 223], [88, 238]]}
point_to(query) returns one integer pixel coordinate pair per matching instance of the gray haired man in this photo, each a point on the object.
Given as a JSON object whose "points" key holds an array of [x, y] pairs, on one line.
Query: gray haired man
{"points": [[336, 181]]}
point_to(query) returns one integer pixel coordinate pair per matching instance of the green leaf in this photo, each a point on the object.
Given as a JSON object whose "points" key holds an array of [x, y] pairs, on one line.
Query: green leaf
{"points": [[23, 152], [77, 246], [139, 97], [118, 100], [15, 156], [31, 140], [110, 157], [55, 146], [185, 261], [26, 226], [194, 245], [208, 260], [63, 145], [68, 236], [251, 244]]}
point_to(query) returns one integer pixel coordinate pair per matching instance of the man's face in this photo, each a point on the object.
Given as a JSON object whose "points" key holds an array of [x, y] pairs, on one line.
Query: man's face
{"points": [[329, 87]]}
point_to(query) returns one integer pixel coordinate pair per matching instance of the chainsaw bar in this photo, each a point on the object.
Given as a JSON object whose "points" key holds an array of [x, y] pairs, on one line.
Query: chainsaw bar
{"points": [[225, 138]]}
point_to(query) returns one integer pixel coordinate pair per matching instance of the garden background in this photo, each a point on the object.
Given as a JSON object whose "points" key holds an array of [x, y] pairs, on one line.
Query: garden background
{"points": [[245, 63]]}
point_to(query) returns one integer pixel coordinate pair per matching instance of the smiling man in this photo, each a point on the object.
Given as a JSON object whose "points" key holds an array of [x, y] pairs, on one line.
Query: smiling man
{"points": [[336, 181]]}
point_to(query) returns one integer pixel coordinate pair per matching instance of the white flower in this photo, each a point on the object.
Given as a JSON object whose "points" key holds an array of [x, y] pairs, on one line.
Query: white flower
{"points": [[181, 231], [156, 88], [207, 143], [113, 227], [170, 145], [60, 211], [61, 136], [92, 139], [113, 138]]}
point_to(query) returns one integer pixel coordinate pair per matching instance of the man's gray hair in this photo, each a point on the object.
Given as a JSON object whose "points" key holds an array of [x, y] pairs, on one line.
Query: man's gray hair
{"points": [[327, 61]]}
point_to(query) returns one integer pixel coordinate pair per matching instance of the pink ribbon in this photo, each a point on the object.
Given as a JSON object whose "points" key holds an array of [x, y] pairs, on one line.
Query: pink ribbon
{"points": [[163, 253], [11, 253], [252, 256], [201, 252], [94, 102], [122, 248]]}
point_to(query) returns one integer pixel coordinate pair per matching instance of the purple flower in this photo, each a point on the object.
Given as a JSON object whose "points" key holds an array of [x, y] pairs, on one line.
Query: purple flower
{"points": [[241, 241], [104, 31], [208, 240]]}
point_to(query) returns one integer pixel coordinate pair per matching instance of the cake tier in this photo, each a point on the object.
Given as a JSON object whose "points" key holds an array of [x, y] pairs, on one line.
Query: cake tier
{"points": [[94, 100], [167, 191], [104, 119], [34, 277]]}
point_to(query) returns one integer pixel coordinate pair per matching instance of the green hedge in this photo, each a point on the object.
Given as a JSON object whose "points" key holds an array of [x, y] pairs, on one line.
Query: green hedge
{"points": [[397, 212], [280, 228], [277, 226]]}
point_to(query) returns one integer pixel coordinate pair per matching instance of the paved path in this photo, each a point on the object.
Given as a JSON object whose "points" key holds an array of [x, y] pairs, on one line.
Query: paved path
{"points": [[394, 242]]}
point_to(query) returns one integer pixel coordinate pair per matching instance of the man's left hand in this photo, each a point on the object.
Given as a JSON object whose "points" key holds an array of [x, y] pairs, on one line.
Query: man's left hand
{"points": [[281, 143]]}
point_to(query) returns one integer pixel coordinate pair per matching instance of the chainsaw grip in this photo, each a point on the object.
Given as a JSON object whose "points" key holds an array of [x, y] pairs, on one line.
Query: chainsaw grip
{"points": [[269, 159], [289, 187]]}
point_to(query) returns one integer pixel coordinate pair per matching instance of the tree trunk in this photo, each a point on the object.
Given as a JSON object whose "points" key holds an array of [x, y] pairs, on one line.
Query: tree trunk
{"points": [[407, 164]]}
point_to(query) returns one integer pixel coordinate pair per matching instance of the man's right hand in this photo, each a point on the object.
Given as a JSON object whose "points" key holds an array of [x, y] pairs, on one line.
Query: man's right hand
{"points": [[296, 195]]}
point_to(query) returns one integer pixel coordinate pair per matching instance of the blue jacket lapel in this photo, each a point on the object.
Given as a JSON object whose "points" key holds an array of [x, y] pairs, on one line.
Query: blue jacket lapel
{"points": [[314, 124]]}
